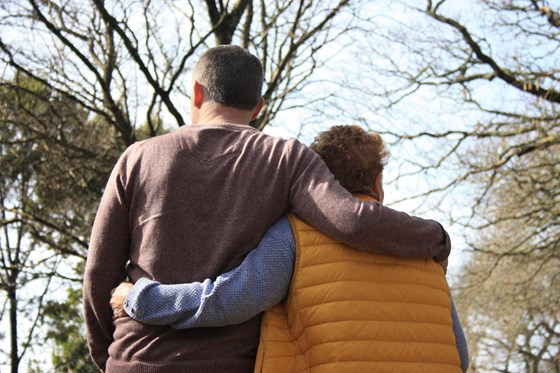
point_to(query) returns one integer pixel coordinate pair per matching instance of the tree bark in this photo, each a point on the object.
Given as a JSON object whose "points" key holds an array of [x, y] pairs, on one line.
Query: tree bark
{"points": [[14, 354]]}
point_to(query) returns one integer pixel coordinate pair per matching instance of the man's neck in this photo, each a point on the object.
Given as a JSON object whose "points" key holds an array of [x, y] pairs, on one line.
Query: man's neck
{"points": [[216, 113]]}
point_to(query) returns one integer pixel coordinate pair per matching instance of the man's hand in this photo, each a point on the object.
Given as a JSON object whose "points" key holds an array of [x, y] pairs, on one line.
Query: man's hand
{"points": [[118, 296]]}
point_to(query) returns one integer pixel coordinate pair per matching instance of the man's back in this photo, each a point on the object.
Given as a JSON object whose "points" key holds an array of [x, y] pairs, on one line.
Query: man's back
{"points": [[202, 198], [198, 201]]}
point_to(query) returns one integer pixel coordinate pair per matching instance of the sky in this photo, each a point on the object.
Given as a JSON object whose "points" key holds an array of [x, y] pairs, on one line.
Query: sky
{"points": [[425, 110]]}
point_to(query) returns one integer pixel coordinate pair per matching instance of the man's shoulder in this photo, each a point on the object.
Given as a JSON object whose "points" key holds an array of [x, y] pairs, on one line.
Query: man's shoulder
{"points": [[270, 142], [155, 143], [287, 142], [216, 138], [291, 150]]}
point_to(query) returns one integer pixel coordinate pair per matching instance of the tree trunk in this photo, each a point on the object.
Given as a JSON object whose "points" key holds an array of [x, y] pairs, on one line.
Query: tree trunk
{"points": [[14, 356]]}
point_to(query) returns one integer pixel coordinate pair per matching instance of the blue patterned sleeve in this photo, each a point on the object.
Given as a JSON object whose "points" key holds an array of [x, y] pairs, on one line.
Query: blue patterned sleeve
{"points": [[460, 339], [258, 283]]}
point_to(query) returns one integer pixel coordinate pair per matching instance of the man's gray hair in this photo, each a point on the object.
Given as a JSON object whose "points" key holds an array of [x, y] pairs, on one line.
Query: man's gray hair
{"points": [[232, 76]]}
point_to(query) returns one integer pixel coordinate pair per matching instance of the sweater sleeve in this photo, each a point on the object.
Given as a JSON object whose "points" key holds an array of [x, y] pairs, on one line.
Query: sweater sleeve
{"points": [[460, 339], [257, 284], [106, 264], [317, 198]]}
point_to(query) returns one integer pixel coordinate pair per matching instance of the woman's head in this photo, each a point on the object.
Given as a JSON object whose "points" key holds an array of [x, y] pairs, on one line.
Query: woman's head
{"points": [[354, 156]]}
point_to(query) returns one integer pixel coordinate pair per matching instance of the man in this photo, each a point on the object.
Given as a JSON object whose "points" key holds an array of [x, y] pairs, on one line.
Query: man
{"points": [[357, 159], [191, 204]]}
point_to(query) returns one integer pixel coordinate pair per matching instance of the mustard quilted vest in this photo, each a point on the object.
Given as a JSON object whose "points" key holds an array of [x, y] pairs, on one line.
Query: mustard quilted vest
{"points": [[353, 311]]}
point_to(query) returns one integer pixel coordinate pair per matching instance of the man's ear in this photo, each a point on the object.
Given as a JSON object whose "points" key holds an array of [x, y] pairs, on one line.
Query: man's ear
{"points": [[258, 109], [198, 94]]}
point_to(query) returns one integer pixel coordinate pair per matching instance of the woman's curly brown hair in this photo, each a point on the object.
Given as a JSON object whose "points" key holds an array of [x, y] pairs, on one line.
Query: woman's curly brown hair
{"points": [[354, 156]]}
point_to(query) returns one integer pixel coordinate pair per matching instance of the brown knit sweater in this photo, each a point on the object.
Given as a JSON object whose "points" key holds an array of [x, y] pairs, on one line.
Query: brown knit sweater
{"points": [[190, 205]]}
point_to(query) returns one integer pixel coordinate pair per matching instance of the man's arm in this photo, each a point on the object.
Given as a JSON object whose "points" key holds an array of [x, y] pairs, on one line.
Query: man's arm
{"points": [[258, 283], [105, 266], [321, 201], [460, 339]]}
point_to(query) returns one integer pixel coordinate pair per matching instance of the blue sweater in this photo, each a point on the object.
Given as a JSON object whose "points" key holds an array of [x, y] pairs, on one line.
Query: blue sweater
{"points": [[256, 285]]}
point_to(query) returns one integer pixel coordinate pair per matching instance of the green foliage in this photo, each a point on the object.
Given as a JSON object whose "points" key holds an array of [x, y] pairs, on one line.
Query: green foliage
{"points": [[67, 332], [55, 158], [66, 155]]}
